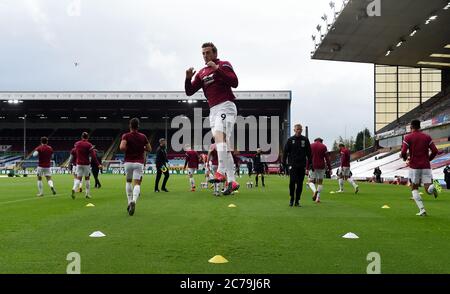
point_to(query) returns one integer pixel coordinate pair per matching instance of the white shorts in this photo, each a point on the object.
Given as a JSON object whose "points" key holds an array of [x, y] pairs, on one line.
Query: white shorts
{"points": [[213, 168], [83, 170], [43, 172], [222, 118], [191, 171], [317, 174], [345, 172], [134, 170], [418, 176]]}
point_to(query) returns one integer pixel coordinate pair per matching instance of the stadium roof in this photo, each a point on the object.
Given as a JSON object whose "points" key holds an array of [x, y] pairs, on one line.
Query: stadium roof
{"points": [[356, 37], [135, 95]]}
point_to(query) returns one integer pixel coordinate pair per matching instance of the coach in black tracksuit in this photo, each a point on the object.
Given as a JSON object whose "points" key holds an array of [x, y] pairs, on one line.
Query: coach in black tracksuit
{"points": [[161, 163], [95, 170], [447, 176], [296, 151], [259, 167]]}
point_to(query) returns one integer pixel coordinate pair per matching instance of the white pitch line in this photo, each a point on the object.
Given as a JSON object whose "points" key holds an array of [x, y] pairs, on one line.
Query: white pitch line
{"points": [[20, 200]]}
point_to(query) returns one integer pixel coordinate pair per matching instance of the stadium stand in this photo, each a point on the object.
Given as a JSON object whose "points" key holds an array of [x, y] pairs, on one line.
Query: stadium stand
{"points": [[437, 106]]}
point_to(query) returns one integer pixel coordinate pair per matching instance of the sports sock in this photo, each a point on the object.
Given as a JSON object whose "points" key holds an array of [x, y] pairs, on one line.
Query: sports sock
{"points": [[136, 192], [352, 182], [418, 199], [222, 157], [129, 190], [319, 189], [76, 184], [87, 183], [40, 187], [312, 186], [230, 168]]}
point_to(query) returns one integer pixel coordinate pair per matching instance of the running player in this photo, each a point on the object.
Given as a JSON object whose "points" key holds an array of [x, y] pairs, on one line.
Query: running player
{"points": [[345, 174], [83, 150], [134, 144], [44, 152], [73, 164], [418, 144], [319, 157], [192, 160], [216, 79]]}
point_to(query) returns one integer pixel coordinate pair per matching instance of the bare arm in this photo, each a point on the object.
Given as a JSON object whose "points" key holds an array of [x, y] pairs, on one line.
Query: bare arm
{"points": [[123, 145], [434, 151]]}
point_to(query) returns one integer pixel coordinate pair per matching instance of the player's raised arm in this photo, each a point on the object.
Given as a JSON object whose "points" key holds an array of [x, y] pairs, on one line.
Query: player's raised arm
{"points": [[226, 72], [191, 87]]}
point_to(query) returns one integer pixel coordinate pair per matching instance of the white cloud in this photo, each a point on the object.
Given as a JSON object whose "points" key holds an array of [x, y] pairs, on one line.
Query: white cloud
{"points": [[148, 44], [41, 21], [163, 62]]}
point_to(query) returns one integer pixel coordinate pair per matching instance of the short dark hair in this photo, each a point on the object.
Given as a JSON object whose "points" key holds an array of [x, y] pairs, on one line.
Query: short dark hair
{"points": [[318, 140], [415, 124], [85, 135], [162, 140], [44, 140], [341, 145], [134, 123], [210, 44]]}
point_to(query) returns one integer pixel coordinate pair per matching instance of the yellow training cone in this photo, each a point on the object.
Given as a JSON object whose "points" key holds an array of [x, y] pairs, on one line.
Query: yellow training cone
{"points": [[90, 205], [218, 259], [232, 206], [332, 192], [385, 206]]}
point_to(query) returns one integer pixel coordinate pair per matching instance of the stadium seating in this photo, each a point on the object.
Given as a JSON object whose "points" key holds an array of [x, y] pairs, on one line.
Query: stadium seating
{"points": [[433, 107], [393, 166], [14, 137]]}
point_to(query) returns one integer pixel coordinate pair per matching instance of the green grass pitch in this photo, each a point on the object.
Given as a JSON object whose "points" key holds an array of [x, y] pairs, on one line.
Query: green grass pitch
{"points": [[178, 232]]}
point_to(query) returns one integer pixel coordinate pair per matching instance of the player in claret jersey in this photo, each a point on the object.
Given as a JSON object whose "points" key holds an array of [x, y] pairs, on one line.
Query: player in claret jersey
{"points": [[316, 167], [84, 150], [135, 145], [418, 145], [45, 153], [345, 174], [73, 164], [192, 160], [216, 80]]}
